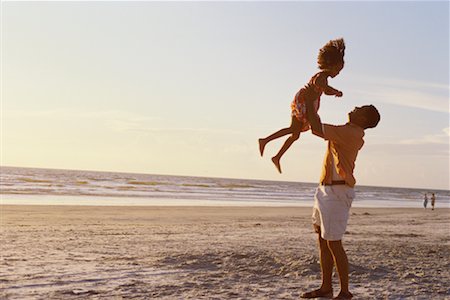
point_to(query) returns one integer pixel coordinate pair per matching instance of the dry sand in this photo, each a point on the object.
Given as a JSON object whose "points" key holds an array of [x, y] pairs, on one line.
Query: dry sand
{"points": [[85, 252]]}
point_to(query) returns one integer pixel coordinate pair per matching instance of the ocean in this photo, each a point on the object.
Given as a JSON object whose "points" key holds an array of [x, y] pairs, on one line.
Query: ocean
{"points": [[72, 187]]}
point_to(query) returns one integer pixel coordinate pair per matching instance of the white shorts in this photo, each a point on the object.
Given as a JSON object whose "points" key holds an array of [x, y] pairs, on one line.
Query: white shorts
{"points": [[331, 210]]}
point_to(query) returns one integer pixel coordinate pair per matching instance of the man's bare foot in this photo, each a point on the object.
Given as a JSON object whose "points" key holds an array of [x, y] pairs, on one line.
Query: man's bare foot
{"points": [[262, 144], [276, 162], [318, 294], [344, 295]]}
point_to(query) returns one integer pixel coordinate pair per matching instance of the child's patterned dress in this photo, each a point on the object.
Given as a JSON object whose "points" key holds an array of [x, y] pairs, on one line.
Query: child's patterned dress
{"points": [[298, 105]]}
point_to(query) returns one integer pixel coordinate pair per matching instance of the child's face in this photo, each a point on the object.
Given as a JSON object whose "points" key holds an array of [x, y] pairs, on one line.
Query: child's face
{"points": [[336, 70]]}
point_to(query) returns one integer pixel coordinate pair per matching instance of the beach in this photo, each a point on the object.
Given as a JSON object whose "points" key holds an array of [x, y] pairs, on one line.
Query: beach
{"points": [[118, 252]]}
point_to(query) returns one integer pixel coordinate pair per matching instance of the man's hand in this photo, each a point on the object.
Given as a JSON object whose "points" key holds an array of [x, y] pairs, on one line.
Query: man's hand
{"points": [[338, 94]]}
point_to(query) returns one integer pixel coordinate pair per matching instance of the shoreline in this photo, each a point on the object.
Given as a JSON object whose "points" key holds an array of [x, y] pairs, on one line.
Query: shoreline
{"points": [[187, 206], [205, 209], [85, 200]]}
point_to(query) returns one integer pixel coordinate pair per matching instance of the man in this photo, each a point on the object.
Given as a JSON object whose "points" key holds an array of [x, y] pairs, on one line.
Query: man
{"points": [[335, 193], [433, 201]]}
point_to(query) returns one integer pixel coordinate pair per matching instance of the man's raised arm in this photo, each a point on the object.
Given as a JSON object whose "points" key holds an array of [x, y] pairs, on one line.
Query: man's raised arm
{"points": [[313, 117]]}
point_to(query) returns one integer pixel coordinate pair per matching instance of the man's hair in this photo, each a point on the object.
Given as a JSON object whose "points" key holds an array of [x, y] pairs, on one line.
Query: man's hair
{"points": [[372, 117]]}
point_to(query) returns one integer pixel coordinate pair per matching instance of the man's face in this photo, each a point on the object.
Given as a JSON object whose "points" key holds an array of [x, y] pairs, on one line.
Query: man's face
{"points": [[358, 114], [364, 116], [353, 112]]}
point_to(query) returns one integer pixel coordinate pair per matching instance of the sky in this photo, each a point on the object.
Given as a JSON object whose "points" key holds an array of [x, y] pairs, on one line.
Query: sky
{"points": [[187, 88]]}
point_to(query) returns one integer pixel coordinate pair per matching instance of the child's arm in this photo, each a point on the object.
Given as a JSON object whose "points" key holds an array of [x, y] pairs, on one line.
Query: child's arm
{"points": [[322, 82]]}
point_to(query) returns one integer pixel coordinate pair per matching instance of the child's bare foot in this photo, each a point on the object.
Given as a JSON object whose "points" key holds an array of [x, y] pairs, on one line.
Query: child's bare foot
{"points": [[262, 144], [276, 162]]}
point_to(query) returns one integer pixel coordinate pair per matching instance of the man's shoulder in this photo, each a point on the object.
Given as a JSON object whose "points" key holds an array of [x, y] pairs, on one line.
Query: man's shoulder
{"points": [[347, 128], [343, 133]]}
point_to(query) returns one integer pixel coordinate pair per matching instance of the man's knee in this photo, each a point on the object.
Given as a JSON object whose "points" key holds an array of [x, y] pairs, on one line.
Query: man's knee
{"points": [[335, 245]]}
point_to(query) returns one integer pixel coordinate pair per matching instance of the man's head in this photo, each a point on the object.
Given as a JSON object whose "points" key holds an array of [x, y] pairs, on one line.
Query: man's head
{"points": [[366, 116]]}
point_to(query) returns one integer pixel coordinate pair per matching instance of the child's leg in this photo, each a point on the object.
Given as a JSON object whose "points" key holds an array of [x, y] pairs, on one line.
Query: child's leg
{"points": [[296, 126], [273, 136]]}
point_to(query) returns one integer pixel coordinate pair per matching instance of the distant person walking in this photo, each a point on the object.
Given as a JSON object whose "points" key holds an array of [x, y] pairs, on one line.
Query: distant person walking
{"points": [[425, 201], [433, 201]]}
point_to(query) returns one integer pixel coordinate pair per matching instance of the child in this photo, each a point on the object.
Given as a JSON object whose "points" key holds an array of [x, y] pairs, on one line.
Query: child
{"points": [[331, 62]]}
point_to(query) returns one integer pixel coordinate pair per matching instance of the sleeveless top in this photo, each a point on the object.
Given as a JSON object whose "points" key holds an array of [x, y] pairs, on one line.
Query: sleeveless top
{"points": [[298, 105]]}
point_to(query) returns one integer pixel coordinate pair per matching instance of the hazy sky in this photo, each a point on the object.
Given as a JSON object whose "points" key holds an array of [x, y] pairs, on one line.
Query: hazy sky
{"points": [[187, 88]]}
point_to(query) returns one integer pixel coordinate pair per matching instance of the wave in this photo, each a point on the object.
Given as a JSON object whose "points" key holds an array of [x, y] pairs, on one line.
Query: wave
{"points": [[32, 180], [135, 182], [24, 181]]}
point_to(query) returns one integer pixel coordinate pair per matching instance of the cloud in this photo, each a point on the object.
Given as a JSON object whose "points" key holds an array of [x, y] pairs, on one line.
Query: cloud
{"points": [[183, 130], [408, 93], [119, 121], [409, 83], [400, 151], [427, 146], [78, 114], [438, 138]]}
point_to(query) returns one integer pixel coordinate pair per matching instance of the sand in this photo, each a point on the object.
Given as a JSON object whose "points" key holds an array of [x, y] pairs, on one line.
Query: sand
{"points": [[86, 252]]}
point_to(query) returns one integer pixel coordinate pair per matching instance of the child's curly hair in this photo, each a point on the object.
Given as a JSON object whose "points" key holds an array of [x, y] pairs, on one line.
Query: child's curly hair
{"points": [[331, 54]]}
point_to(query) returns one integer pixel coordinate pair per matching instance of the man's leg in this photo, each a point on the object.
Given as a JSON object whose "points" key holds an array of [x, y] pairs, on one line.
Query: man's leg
{"points": [[326, 266], [341, 262], [326, 262]]}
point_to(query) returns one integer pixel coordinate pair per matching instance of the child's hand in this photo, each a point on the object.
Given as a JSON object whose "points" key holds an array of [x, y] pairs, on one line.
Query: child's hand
{"points": [[338, 94]]}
